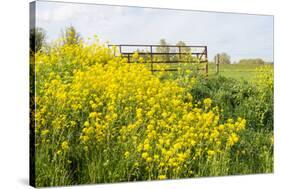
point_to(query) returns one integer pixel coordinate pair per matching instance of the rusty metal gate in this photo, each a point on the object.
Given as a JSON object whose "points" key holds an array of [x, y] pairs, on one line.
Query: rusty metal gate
{"points": [[167, 54]]}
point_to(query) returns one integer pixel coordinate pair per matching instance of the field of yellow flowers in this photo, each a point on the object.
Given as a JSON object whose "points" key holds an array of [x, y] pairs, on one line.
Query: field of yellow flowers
{"points": [[102, 120]]}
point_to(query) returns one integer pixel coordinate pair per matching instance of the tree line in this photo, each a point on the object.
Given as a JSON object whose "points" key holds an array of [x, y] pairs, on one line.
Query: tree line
{"points": [[224, 58], [38, 42], [70, 36]]}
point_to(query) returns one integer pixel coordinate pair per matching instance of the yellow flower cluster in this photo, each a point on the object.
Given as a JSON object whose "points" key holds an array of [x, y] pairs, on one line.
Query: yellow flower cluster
{"points": [[92, 100], [265, 77]]}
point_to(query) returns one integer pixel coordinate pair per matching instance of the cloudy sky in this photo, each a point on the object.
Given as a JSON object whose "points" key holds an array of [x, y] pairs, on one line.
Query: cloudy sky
{"points": [[240, 35]]}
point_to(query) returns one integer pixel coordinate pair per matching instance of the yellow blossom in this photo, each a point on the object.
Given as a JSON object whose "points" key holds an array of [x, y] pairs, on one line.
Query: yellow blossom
{"points": [[64, 146], [162, 177]]}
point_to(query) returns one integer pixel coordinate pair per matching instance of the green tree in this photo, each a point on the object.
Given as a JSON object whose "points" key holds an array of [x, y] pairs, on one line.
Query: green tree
{"points": [[252, 61], [163, 49], [183, 49], [71, 36], [223, 58], [37, 39]]}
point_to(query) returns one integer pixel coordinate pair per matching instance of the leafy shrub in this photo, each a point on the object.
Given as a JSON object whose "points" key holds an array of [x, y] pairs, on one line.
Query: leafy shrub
{"points": [[254, 102]]}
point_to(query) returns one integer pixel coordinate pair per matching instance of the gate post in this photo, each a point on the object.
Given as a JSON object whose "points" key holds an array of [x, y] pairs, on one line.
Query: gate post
{"points": [[180, 52], [151, 57], [207, 69], [217, 64], [207, 66]]}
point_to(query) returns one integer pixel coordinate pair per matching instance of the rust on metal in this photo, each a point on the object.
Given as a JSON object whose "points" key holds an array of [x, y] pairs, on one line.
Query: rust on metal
{"points": [[170, 57]]}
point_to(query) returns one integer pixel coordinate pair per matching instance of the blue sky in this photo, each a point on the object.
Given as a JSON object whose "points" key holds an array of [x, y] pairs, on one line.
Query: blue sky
{"points": [[239, 35]]}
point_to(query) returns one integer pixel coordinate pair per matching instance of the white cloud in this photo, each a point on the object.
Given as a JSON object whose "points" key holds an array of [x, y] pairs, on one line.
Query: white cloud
{"points": [[239, 35], [60, 13]]}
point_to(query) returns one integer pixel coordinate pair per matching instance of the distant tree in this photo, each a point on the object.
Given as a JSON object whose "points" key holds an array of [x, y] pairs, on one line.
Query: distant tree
{"points": [[223, 58], [145, 55], [37, 39], [252, 61], [71, 36], [183, 49], [163, 49]]}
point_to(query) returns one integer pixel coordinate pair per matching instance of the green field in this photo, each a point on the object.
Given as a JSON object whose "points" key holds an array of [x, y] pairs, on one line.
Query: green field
{"points": [[246, 72], [238, 71]]}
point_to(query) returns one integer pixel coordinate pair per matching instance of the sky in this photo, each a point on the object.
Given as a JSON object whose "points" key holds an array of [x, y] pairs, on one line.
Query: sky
{"points": [[239, 35]]}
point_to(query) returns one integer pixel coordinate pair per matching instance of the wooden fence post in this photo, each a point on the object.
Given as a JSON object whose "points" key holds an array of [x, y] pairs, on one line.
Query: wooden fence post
{"points": [[207, 63], [207, 69], [180, 52], [217, 64], [151, 57]]}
